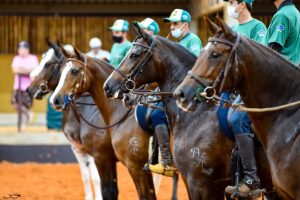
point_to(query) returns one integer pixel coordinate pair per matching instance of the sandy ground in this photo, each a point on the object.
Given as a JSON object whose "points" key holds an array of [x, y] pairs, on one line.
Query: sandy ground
{"points": [[33, 181]]}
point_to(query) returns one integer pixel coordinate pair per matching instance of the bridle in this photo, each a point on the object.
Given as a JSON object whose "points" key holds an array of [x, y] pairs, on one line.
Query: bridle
{"points": [[43, 87], [231, 63], [78, 82], [69, 99], [129, 82]]}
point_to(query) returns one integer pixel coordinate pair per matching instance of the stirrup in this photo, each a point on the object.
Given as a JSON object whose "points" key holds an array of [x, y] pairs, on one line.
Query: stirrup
{"points": [[164, 170], [253, 194]]}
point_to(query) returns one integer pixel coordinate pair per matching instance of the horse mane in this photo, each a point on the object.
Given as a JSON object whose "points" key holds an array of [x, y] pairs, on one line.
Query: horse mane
{"points": [[175, 46], [267, 50], [101, 62]]}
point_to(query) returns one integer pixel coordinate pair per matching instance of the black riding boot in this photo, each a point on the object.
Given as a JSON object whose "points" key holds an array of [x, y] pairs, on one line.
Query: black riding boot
{"points": [[250, 181], [166, 166], [153, 160]]}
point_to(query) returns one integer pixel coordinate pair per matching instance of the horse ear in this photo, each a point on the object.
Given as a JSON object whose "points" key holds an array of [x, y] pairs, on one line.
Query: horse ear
{"points": [[231, 35], [212, 27], [48, 42], [65, 53], [78, 54], [139, 31], [56, 48], [136, 28]]}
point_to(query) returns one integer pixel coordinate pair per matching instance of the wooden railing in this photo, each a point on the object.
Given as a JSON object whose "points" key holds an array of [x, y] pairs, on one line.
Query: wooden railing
{"points": [[76, 30]]}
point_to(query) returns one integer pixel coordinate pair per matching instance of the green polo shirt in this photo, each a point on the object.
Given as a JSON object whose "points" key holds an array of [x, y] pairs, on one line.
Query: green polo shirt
{"points": [[192, 43], [118, 52], [254, 29], [284, 29]]}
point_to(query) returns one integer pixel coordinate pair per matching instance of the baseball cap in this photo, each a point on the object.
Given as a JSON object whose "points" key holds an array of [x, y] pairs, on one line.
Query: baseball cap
{"points": [[120, 25], [179, 15], [24, 44], [250, 2], [150, 25]]}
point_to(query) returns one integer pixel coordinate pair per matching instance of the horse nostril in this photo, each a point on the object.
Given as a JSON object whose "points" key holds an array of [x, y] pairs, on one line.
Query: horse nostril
{"points": [[181, 96], [106, 88], [56, 102]]}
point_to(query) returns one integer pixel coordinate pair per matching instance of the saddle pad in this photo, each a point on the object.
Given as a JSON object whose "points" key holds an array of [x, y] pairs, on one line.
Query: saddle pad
{"points": [[142, 116]]}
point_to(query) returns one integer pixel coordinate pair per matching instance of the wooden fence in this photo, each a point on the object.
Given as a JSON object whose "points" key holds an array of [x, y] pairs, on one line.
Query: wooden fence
{"points": [[76, 30]]}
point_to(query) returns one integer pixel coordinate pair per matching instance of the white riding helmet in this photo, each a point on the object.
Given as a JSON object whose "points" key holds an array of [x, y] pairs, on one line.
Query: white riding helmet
{"points": [[95, 43]]}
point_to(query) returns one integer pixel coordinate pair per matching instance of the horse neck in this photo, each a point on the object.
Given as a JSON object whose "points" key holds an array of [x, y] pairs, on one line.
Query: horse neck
{"points": [[97, 74], [172, 66], [266, 81]]}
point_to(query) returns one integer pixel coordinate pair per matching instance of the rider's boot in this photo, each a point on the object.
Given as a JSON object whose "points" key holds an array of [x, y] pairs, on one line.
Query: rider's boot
{"points": [[166, 167], [250, 184], [154, 154]]}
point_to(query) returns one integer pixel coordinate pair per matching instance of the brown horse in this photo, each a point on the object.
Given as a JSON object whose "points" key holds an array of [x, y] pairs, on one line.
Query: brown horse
{"points": [[130, 142], [85, 139], [264, 79], [205, 165]]}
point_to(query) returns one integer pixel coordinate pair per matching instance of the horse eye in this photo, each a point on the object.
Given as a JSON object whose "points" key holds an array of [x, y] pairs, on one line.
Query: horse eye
{"points": [[134, 55], [74, 71], [214, 54]]}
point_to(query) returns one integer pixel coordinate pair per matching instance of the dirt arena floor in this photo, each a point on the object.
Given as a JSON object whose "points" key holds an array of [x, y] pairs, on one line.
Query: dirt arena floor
{"points": [[33, 181]]}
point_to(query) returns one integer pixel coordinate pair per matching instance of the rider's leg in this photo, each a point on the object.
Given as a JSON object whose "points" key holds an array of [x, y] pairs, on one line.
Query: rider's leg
{"points": [[241, 125], [162, 132]]}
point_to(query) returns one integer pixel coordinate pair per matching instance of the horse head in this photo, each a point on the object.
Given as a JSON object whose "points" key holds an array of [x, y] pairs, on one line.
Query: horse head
{"points": [[73, 80], [135, 69], [214, 70], [46, 76]]}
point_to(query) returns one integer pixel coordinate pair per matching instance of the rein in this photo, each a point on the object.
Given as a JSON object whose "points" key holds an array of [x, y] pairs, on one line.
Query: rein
{"points": [[71, 98], [151, 93], [79, 116]]}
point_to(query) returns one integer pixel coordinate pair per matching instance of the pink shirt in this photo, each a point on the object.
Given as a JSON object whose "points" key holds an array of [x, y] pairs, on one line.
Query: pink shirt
{"points": [[23, 66]]}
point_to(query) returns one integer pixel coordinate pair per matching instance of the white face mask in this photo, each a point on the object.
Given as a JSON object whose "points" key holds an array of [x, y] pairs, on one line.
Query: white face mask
{"points": [[177, 32], [232, 13]]}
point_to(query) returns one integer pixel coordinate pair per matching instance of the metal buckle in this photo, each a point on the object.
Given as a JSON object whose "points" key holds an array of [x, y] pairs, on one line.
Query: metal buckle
{"points": [[129, 84], [209, 92], [71, 97], [43, 86]]}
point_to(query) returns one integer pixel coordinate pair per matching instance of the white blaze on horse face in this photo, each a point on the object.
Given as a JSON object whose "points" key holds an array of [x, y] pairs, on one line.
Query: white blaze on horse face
{"points": [[207, 46], [46, 57], [61, 82]]}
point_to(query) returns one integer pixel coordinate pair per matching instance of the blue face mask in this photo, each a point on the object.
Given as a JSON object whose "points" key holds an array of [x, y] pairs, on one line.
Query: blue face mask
{"points": [[177, 32]]}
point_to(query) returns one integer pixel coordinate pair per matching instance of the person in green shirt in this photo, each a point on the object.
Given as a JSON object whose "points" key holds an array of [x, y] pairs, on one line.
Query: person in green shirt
{"points": [[247, 25], [159, 119], [239, 123], [180, 22], [121, 44], [283, 34]]}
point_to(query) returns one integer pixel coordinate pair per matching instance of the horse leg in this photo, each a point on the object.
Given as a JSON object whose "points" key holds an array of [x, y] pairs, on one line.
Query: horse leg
{"points": [[157, 181], [82, 159], [95, 179], [175, 186], [186, 185], [143, 183], [108, 173]]}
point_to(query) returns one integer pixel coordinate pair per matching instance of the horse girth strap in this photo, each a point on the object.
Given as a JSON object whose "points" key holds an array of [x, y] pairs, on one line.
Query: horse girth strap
{"points": [[227, 67]]}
